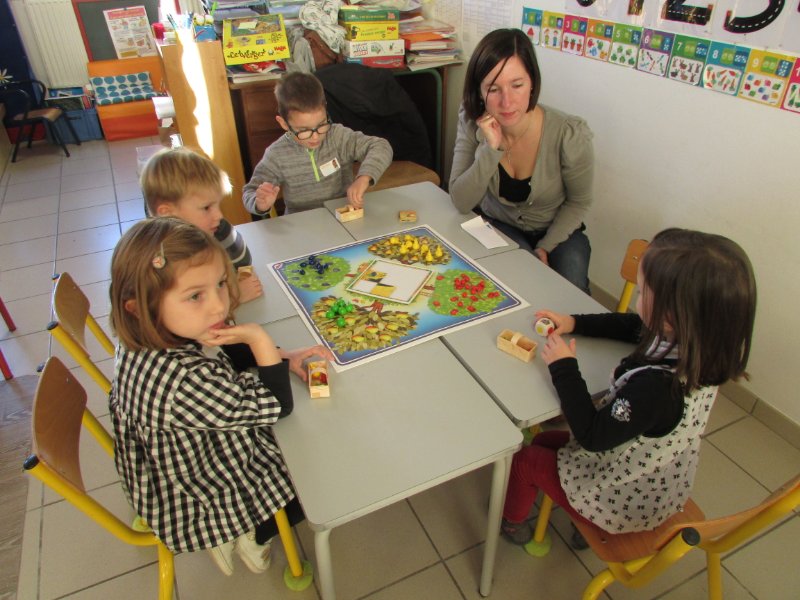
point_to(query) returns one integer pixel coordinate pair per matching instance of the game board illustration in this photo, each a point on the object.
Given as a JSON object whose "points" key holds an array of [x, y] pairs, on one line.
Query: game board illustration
{"points": [[369, 298]]}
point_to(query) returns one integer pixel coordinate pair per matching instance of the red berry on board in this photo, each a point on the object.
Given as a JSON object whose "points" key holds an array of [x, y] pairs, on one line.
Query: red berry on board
{"points": [[454, 311], [437, 303]]}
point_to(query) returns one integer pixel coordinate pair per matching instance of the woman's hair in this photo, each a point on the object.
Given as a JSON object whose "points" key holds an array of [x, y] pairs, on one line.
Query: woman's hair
{"points": [[496, 47], [170, 175], [301, 92], [702, 285], [145, 264]]}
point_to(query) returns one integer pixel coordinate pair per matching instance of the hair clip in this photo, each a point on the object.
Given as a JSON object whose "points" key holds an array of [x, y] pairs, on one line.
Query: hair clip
{"points": [[159, 260]]}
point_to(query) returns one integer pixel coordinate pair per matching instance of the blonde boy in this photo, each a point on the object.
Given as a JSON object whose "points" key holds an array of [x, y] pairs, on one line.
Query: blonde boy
{"points": [[313, 161], [183, 184]]}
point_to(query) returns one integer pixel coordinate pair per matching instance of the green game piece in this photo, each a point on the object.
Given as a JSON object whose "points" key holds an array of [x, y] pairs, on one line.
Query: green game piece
{"points": [[341, 322], [330, 314]]}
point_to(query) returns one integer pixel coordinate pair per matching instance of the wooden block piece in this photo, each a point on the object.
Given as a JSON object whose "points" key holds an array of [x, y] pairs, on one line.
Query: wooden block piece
{"points": [[408, 216], [245, 272], [318, 379], [348, 213], [517, 345]]}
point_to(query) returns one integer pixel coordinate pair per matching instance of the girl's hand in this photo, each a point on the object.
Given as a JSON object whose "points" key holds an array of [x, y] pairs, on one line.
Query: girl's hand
{"points": [[491, 130], [355, 193], [266, 194], [298, 357], [253, 335], [541, 255], [249, 288], [564, 323], [555, 348]]}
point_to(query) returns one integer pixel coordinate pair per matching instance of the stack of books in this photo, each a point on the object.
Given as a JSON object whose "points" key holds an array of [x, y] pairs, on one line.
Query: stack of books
{"points": [[255, 71], [290, 9], [429, 43], [372, 36]]}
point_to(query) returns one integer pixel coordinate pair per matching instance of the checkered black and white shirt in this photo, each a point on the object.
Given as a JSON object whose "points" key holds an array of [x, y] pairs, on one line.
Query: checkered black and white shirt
{"points": [[194, 446]]}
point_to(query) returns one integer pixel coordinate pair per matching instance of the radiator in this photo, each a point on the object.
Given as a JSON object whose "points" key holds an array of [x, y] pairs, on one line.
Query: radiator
{"points": [[52, 40]]}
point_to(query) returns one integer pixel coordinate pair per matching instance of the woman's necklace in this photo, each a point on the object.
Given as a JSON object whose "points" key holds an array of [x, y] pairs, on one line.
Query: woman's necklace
{"points": [[518, 138]]}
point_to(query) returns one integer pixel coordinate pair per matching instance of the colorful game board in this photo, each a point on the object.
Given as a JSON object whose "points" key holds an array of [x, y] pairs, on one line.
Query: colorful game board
{"points": [[373, 297]]}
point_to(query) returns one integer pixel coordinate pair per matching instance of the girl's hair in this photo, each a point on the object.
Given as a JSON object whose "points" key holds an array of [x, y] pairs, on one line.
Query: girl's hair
{"points": [[496, 47], [703, 286], [170, 175], [145, 264], [301, 92]]}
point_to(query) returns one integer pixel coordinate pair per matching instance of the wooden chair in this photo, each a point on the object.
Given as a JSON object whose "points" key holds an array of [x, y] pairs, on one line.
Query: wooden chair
{"points": [[59, 409], [635, 559], [629, 269], [27, 108], [4, 368]]}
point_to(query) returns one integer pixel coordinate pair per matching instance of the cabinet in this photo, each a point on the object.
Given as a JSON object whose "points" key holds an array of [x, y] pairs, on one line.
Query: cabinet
{"points": [[255, 107]]}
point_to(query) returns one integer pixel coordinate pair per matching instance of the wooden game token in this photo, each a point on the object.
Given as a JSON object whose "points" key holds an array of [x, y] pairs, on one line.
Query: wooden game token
{"points": [[408, 216]]}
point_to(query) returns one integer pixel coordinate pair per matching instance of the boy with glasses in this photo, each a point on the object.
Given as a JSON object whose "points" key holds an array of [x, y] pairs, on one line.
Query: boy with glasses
{"points": [[313, 161]]}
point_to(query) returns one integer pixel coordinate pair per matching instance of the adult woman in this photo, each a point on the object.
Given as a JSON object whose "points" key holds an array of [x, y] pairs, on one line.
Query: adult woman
{"points": [[528, 166]]}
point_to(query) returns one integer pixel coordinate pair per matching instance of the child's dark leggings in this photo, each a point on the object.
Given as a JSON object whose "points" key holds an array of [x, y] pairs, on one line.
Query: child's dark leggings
{"points": [[269, 529], [535, 467]]}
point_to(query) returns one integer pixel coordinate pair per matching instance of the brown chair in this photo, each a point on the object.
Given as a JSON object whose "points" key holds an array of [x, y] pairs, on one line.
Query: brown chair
{"points": [[26, 107], [635, 559], [404, 172], [629, 270]]}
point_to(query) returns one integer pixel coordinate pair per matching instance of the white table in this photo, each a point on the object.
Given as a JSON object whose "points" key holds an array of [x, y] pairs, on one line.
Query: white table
{"points": [[524, 390], [434, 208], [271, 240], [374, 443]]}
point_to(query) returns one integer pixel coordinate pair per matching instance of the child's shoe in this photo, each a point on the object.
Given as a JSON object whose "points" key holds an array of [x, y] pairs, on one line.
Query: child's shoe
{"points": [[517, 533], [256, 557], [223, 557]]}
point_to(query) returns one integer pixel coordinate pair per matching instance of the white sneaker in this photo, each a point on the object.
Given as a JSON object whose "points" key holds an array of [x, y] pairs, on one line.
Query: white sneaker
{"points": [[223, 557], [255, 556]]}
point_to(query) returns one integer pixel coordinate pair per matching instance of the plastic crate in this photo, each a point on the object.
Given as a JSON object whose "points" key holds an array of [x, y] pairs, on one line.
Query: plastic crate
{"points": [[85, 124]]}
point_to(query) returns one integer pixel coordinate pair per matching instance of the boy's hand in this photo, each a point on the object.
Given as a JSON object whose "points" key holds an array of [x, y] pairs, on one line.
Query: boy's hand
{"points": [[564, 323], [355, 193], [249, 287], [266, 194], [555, 348], [297, 358]]}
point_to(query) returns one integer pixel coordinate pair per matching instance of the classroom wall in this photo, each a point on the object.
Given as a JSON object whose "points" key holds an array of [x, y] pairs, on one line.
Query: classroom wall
{"points": [[671, 155]]}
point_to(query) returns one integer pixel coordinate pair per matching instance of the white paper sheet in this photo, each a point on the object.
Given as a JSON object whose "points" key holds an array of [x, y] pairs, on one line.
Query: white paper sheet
{"points": [[483, 232]]}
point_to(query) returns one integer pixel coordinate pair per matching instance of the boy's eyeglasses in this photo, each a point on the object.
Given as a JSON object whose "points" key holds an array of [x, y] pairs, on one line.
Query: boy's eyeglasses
{"points": [[305, 134]]}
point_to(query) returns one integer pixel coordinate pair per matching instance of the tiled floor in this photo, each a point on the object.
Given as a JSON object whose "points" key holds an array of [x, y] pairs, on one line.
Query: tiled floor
{"points": [[65, 214]]}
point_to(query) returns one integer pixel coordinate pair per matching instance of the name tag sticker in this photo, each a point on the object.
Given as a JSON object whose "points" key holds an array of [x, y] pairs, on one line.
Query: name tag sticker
{"points": [[330, 167]]}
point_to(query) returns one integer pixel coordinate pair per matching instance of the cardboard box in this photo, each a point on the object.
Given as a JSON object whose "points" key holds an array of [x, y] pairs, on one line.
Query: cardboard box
{"points": [[361, 14], [85, 124], [254, 39], [356, 49], [367, 31], [379, 62]]}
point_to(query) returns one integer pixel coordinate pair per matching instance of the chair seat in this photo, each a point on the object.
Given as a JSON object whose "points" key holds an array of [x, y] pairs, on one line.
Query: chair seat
{"points": [[51, 114], [623, 547], [404, 172]]}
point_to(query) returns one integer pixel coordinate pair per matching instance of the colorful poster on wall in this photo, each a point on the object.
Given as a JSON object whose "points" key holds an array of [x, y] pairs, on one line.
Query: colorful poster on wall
{"points": [[688, 59], [532, 24], [130, 32], [654, 52], [260, 38], [792, 99], [625, 48], [599, 37], [552, 28], [766, 77], [574, 37], [725, 67]]}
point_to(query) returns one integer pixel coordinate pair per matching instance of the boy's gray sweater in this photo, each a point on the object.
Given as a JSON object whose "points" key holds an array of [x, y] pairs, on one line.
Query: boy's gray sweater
{"points": [[299, 171]]}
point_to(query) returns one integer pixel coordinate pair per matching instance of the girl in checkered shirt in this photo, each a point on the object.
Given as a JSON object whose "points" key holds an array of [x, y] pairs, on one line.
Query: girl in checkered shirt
{"points": [[628, 462], [192, 422]]}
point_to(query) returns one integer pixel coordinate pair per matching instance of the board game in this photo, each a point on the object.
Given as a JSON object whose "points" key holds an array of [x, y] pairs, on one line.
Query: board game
{"points": [[370, 298]]}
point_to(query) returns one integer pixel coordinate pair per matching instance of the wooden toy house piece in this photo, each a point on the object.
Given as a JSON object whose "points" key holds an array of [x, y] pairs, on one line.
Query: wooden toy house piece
{"points": [[408, 216], [517, 345], [348, 213], [318, 380]]}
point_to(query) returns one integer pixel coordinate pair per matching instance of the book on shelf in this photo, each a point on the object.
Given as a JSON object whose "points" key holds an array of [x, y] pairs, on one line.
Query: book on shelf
{"points": [[440, 44], [255, 71], [412, 26]]}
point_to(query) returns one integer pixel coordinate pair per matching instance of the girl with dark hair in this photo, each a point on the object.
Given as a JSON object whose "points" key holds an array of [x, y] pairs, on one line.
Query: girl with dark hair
{"points": [[629, 459], [527, 166]]}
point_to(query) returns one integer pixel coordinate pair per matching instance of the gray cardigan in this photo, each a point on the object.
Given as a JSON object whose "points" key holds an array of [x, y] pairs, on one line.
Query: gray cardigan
{"points": [[561, 186], [297, 169]]}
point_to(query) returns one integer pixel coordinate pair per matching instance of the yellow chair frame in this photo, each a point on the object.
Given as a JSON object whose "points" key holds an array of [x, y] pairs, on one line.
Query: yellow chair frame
{"points": [[635, 559], [629, 270], [71, 308]]}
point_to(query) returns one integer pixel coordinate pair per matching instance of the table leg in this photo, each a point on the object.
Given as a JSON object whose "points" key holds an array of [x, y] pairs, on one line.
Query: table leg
{"points": [[500, 472], [322, 547]]}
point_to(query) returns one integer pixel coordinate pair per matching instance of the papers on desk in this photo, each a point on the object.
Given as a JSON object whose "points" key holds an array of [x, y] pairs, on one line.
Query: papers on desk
{"points": [[483, 232]]}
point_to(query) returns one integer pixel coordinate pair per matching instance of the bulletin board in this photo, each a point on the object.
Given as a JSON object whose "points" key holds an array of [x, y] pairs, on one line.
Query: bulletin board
{"points": [[94, 28]]}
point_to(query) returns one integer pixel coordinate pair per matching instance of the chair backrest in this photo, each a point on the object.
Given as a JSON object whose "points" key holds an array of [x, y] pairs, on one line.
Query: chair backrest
{"points": [[629, 270]]}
